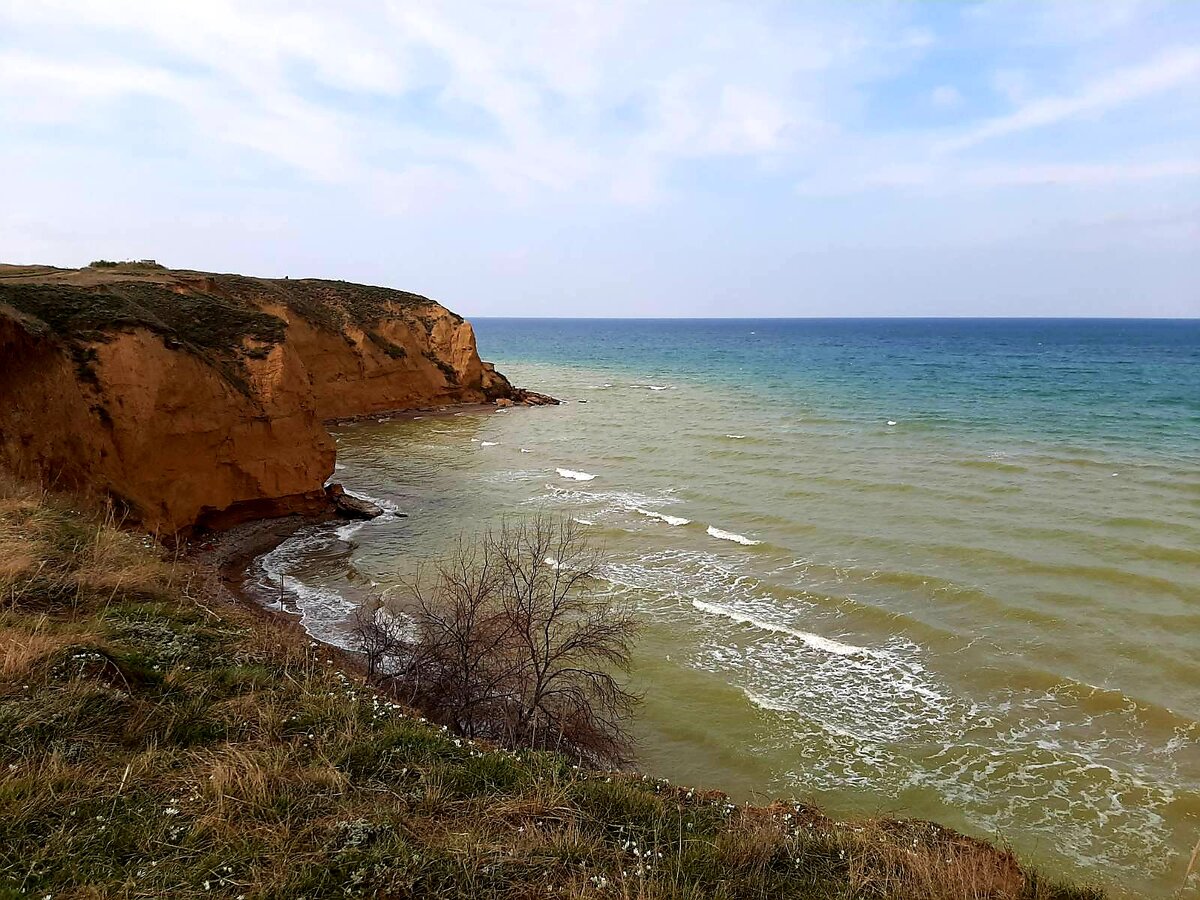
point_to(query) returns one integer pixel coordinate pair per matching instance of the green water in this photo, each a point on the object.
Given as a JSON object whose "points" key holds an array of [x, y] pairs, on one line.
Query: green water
{"points": [[987, 613]]}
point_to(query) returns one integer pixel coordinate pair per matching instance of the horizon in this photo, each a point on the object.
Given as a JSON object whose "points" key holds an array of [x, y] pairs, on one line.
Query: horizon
{"points": [[987, 159], [900, 318]]}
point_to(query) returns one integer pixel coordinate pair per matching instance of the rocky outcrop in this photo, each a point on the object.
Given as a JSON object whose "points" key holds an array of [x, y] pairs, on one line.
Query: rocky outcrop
{"points": [[199, 400]]}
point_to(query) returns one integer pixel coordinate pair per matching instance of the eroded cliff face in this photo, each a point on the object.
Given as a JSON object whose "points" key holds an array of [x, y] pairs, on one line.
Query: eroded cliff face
{"points": [[198, 400]]}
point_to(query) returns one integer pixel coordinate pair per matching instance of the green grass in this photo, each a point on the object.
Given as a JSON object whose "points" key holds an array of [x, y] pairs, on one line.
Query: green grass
{"points": [[159, 741]]}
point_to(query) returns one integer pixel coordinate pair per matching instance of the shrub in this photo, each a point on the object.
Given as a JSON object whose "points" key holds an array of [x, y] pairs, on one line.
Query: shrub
{"points": [[510, 642]]}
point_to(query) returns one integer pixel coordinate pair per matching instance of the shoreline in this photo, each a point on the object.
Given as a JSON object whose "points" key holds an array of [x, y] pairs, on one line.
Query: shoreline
{"points": [[226, 557]]}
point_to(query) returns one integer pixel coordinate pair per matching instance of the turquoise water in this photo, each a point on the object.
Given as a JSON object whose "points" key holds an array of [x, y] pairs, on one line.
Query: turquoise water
{"points": [[948, 569]]}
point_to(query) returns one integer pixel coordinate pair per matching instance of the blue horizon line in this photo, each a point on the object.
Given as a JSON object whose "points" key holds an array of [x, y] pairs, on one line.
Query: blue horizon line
{"points": [[834, 318]]}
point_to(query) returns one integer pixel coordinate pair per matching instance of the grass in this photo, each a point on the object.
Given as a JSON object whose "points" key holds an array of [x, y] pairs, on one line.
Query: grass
{"points": [[157, 740]]}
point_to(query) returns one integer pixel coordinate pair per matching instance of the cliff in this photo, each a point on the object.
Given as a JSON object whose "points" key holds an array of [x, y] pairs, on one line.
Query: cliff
{"points": [[199, 400]]}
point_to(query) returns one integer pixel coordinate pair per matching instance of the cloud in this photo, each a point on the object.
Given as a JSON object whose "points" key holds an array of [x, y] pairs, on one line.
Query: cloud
{"points": [[945, 177], [527, 97], [611, 132], [1169, 70]]}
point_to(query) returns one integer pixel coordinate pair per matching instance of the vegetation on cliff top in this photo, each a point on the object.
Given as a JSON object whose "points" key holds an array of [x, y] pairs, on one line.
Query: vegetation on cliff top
{"points": [[157, 739], [220, 318]]}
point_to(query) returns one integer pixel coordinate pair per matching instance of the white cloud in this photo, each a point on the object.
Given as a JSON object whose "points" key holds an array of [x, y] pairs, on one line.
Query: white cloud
{"points": [[953, 177], [542, 85], [233, 122], [1060, 22], [1169, 70]]}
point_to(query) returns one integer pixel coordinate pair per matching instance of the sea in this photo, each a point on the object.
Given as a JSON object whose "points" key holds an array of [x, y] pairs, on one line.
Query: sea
{"points": [[937, 568]]}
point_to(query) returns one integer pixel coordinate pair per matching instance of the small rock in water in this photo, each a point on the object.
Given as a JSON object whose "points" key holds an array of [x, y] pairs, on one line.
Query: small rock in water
{"points": [[350, 507]]}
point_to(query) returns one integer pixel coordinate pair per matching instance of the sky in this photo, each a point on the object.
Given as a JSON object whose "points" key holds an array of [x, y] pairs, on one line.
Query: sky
{"points": [[621, 157]]}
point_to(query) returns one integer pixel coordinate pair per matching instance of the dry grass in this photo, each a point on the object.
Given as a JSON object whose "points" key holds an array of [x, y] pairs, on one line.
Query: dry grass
{"points": [[118, 560], [154, 746], [26, 646]]}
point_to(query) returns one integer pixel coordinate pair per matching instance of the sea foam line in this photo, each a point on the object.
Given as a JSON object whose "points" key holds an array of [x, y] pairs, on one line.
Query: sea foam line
{"points": [[713, 531], [574, 476], [828, 645], [662, 517]]}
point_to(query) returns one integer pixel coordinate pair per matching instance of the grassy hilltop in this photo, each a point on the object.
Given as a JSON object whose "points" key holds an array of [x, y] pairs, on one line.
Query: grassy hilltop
{"points": [[218, 318], [157, 739]]}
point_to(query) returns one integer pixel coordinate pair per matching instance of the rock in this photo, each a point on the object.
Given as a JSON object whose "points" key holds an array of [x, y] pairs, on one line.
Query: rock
{"points": [[504, 402], [347, 506], [533, 398]]}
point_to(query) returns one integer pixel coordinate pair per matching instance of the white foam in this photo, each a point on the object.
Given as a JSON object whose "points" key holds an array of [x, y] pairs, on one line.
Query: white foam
{"points": [[345, 532], [657, 387], [321, 610], [523, 450], [815, 641], [488, 443], [765, 702], [731, 536], [386, 505], [891, 421], [736, 437], [584, 521], [573, 475], [662, 517]]}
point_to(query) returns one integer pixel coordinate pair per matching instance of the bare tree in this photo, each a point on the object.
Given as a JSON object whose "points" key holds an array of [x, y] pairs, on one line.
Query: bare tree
{"points": [[512, 641]]}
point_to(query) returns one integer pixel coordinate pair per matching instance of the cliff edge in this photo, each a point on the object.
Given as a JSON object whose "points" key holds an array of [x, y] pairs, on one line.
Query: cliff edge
{"points": [[199, 400]]}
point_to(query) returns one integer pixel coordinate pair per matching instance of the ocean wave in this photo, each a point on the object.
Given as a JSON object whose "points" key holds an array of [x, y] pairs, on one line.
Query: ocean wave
{"points": [[573, 475], [662, 517], [488, 443], [323, 611], [720, 534], [765, 702], [386, 505], [346, 532], [390, 510], [815, 641], [736, 437]]}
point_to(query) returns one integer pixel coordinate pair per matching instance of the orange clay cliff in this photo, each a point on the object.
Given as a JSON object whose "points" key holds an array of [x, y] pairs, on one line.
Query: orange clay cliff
{"points": [[195, 400]]}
